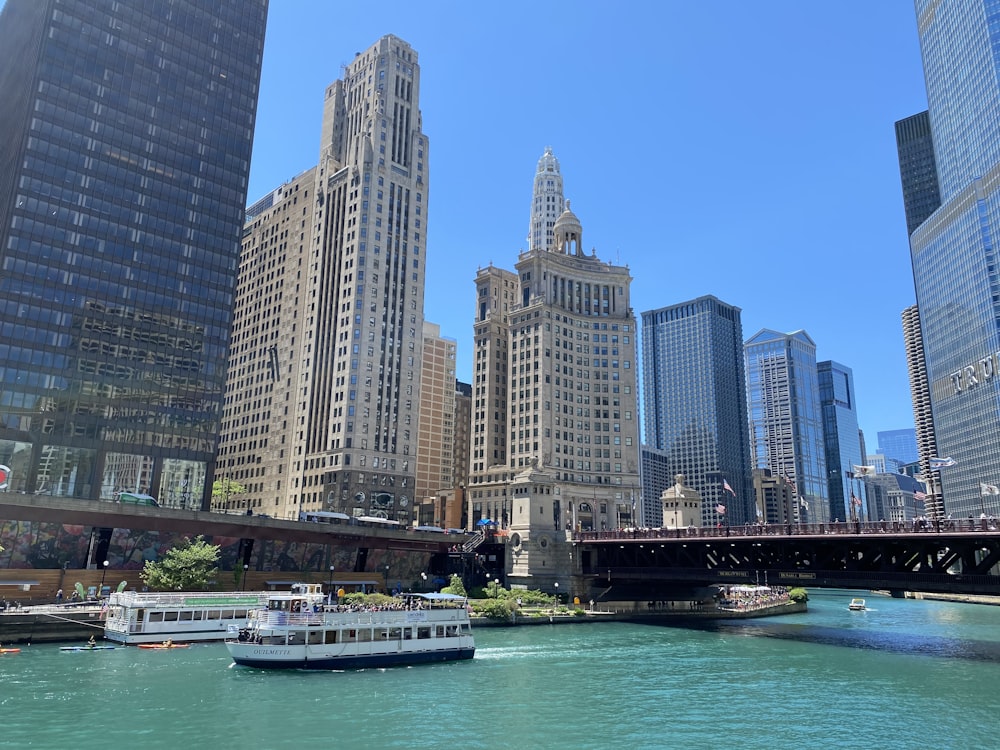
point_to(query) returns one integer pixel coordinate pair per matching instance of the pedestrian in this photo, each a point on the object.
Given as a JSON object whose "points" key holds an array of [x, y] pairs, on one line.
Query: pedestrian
{"points": [[59, 596]]}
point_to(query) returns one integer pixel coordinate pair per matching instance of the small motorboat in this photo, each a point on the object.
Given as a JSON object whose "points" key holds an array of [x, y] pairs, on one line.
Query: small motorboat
{"points": [[164, 645], [857, 605]]}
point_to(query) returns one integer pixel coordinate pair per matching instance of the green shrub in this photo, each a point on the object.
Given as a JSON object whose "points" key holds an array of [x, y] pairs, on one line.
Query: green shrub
{"points": [[798, 595]]}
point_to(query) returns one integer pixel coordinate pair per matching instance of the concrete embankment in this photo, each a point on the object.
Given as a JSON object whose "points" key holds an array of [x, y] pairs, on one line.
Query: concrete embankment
{"points": [[50, 624]]}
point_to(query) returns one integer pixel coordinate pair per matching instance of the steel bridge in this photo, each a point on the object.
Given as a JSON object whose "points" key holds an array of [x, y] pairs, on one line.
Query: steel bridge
{"points": [[961, 557]]}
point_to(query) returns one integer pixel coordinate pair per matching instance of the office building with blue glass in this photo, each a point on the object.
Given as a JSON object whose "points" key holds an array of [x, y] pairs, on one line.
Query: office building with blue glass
{"points": [[955, 265], [842, 442], [899, 447], [125, 138], [694, 402], [786, 420]]}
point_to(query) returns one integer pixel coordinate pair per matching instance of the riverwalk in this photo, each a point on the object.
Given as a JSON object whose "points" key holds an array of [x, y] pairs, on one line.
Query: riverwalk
{"points": [[51, 623]]}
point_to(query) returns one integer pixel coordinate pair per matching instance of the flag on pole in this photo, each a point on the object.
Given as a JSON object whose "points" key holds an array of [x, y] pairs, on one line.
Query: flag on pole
{"points": [[720, 508], [803, 503], [864, 471], [855, 500], [988, 489], [918, 495], [727, 488], [760, 513], [791, 484], [942, 463]]}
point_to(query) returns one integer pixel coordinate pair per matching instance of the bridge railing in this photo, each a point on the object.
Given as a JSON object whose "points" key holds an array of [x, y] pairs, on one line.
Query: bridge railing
{"points": [[791, 529]]}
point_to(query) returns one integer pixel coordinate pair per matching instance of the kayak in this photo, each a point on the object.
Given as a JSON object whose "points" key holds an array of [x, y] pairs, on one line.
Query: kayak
{"points": [[163, 645], [10, 650], [86, 648]]}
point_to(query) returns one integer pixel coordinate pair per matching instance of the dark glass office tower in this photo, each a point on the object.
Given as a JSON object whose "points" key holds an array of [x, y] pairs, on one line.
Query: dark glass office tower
{"points": [[125, 137], [917, 169], [694, 402], [842, 443]]}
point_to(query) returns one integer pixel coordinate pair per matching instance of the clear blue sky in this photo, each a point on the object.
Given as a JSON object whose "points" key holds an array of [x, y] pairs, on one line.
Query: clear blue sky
{"points": [[741, 149]]}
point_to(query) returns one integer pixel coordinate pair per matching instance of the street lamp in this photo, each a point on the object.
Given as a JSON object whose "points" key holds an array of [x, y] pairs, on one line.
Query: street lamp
{"points": [[423, 579], [556, 584], [329, 597], [387, 579], [496, 588], [100, 593], [243, 584]]}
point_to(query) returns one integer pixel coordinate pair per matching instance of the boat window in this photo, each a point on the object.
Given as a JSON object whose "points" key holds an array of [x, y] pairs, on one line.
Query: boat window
{"points": [[315, 637], [170, 616], [423, 633], [440, 631], [381, 634], [330, 636], [185, 616], [350, 636], [156, 617], [452, 631], [197, 614], [239, 613], [213, 614], [395, 634], [365, 634], [296, 637]]}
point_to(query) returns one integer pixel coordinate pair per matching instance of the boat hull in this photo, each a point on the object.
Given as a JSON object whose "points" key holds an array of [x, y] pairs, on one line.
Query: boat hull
{"points": [[285, 657]]}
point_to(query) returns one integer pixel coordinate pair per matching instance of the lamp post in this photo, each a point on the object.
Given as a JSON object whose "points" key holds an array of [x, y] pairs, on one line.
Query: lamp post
{"points": [[100, 593], [329, 597], [423, 579], [243, 583], [496, 588], [556, 604], [387, 579]]}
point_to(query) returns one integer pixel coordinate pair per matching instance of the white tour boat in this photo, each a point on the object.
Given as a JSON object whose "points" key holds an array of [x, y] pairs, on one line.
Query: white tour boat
{"points": [[135, 617], [297, 630]]}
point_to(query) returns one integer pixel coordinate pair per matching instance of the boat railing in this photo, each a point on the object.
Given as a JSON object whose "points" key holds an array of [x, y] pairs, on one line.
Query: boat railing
{"points": [[270, 618], [223, 599]]}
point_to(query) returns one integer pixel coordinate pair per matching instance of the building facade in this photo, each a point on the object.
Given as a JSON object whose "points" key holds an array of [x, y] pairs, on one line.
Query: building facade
{"points": [[898, 446], [955, 268], [125, 140], [786, 421], [917, 169], [923, 415], [547, 202], [436, 427], [694, 401], [555, 370], [255, 443], [842, 447]]}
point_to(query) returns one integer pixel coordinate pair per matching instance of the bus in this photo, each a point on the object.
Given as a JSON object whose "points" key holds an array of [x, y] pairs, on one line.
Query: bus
{"points": [[324, 516]]}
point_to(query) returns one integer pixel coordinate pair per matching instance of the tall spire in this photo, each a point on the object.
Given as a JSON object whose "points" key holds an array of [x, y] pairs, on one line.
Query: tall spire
{"points": [[546, 202]]}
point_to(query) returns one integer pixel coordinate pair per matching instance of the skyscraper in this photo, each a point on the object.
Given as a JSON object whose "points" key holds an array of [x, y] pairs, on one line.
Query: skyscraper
{"points": [[955, 268], [555, 410], [917, 170], [436, 429], [694, 399], [340, 325], [923, 417], [898, 446], [125, 140], [547, 202], [848, 497], [786, 422]]}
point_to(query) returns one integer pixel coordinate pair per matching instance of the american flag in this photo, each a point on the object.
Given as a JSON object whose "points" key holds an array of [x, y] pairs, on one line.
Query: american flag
{"points": [[720, 508], [855, 500], [942, 463], [918, 495], [727, 488]]}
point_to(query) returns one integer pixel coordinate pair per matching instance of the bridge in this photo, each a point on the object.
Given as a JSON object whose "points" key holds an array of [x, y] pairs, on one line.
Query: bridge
{"points": [[110, 515], [959, 557]]}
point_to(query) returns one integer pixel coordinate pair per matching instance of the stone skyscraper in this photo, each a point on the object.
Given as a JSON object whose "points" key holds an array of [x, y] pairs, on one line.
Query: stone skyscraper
{"points": [[547, 202], [555, 409], [125, 137], [349, 339]]}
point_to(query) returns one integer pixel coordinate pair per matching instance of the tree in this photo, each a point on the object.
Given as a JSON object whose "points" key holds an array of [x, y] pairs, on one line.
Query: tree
{"points": [[455, 586], [225, 488], [187, 567]]}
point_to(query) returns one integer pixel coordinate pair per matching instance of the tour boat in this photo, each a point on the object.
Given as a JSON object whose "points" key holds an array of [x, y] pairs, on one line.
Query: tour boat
{"points": [[297, 630], [857, 605], [135, 617]]}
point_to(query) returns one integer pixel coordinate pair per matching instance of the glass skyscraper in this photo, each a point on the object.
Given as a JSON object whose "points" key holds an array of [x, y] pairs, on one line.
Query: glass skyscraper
{"points": [[842, 442], [695, 402], [898, 446], [125, 138], [954, 255], [786, 421]]}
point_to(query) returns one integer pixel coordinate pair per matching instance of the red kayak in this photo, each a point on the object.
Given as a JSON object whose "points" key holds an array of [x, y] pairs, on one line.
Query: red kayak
{"points": [[163, 645]]}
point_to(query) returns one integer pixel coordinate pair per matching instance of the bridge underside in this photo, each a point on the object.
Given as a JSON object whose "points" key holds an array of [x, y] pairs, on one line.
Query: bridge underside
{"points": [[946, 563]]}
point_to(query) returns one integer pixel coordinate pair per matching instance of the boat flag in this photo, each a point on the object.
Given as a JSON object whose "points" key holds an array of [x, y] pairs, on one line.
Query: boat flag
{"points": [[720, 508], [727, 488], [988, 489], [942, 463], [864, 471]]}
